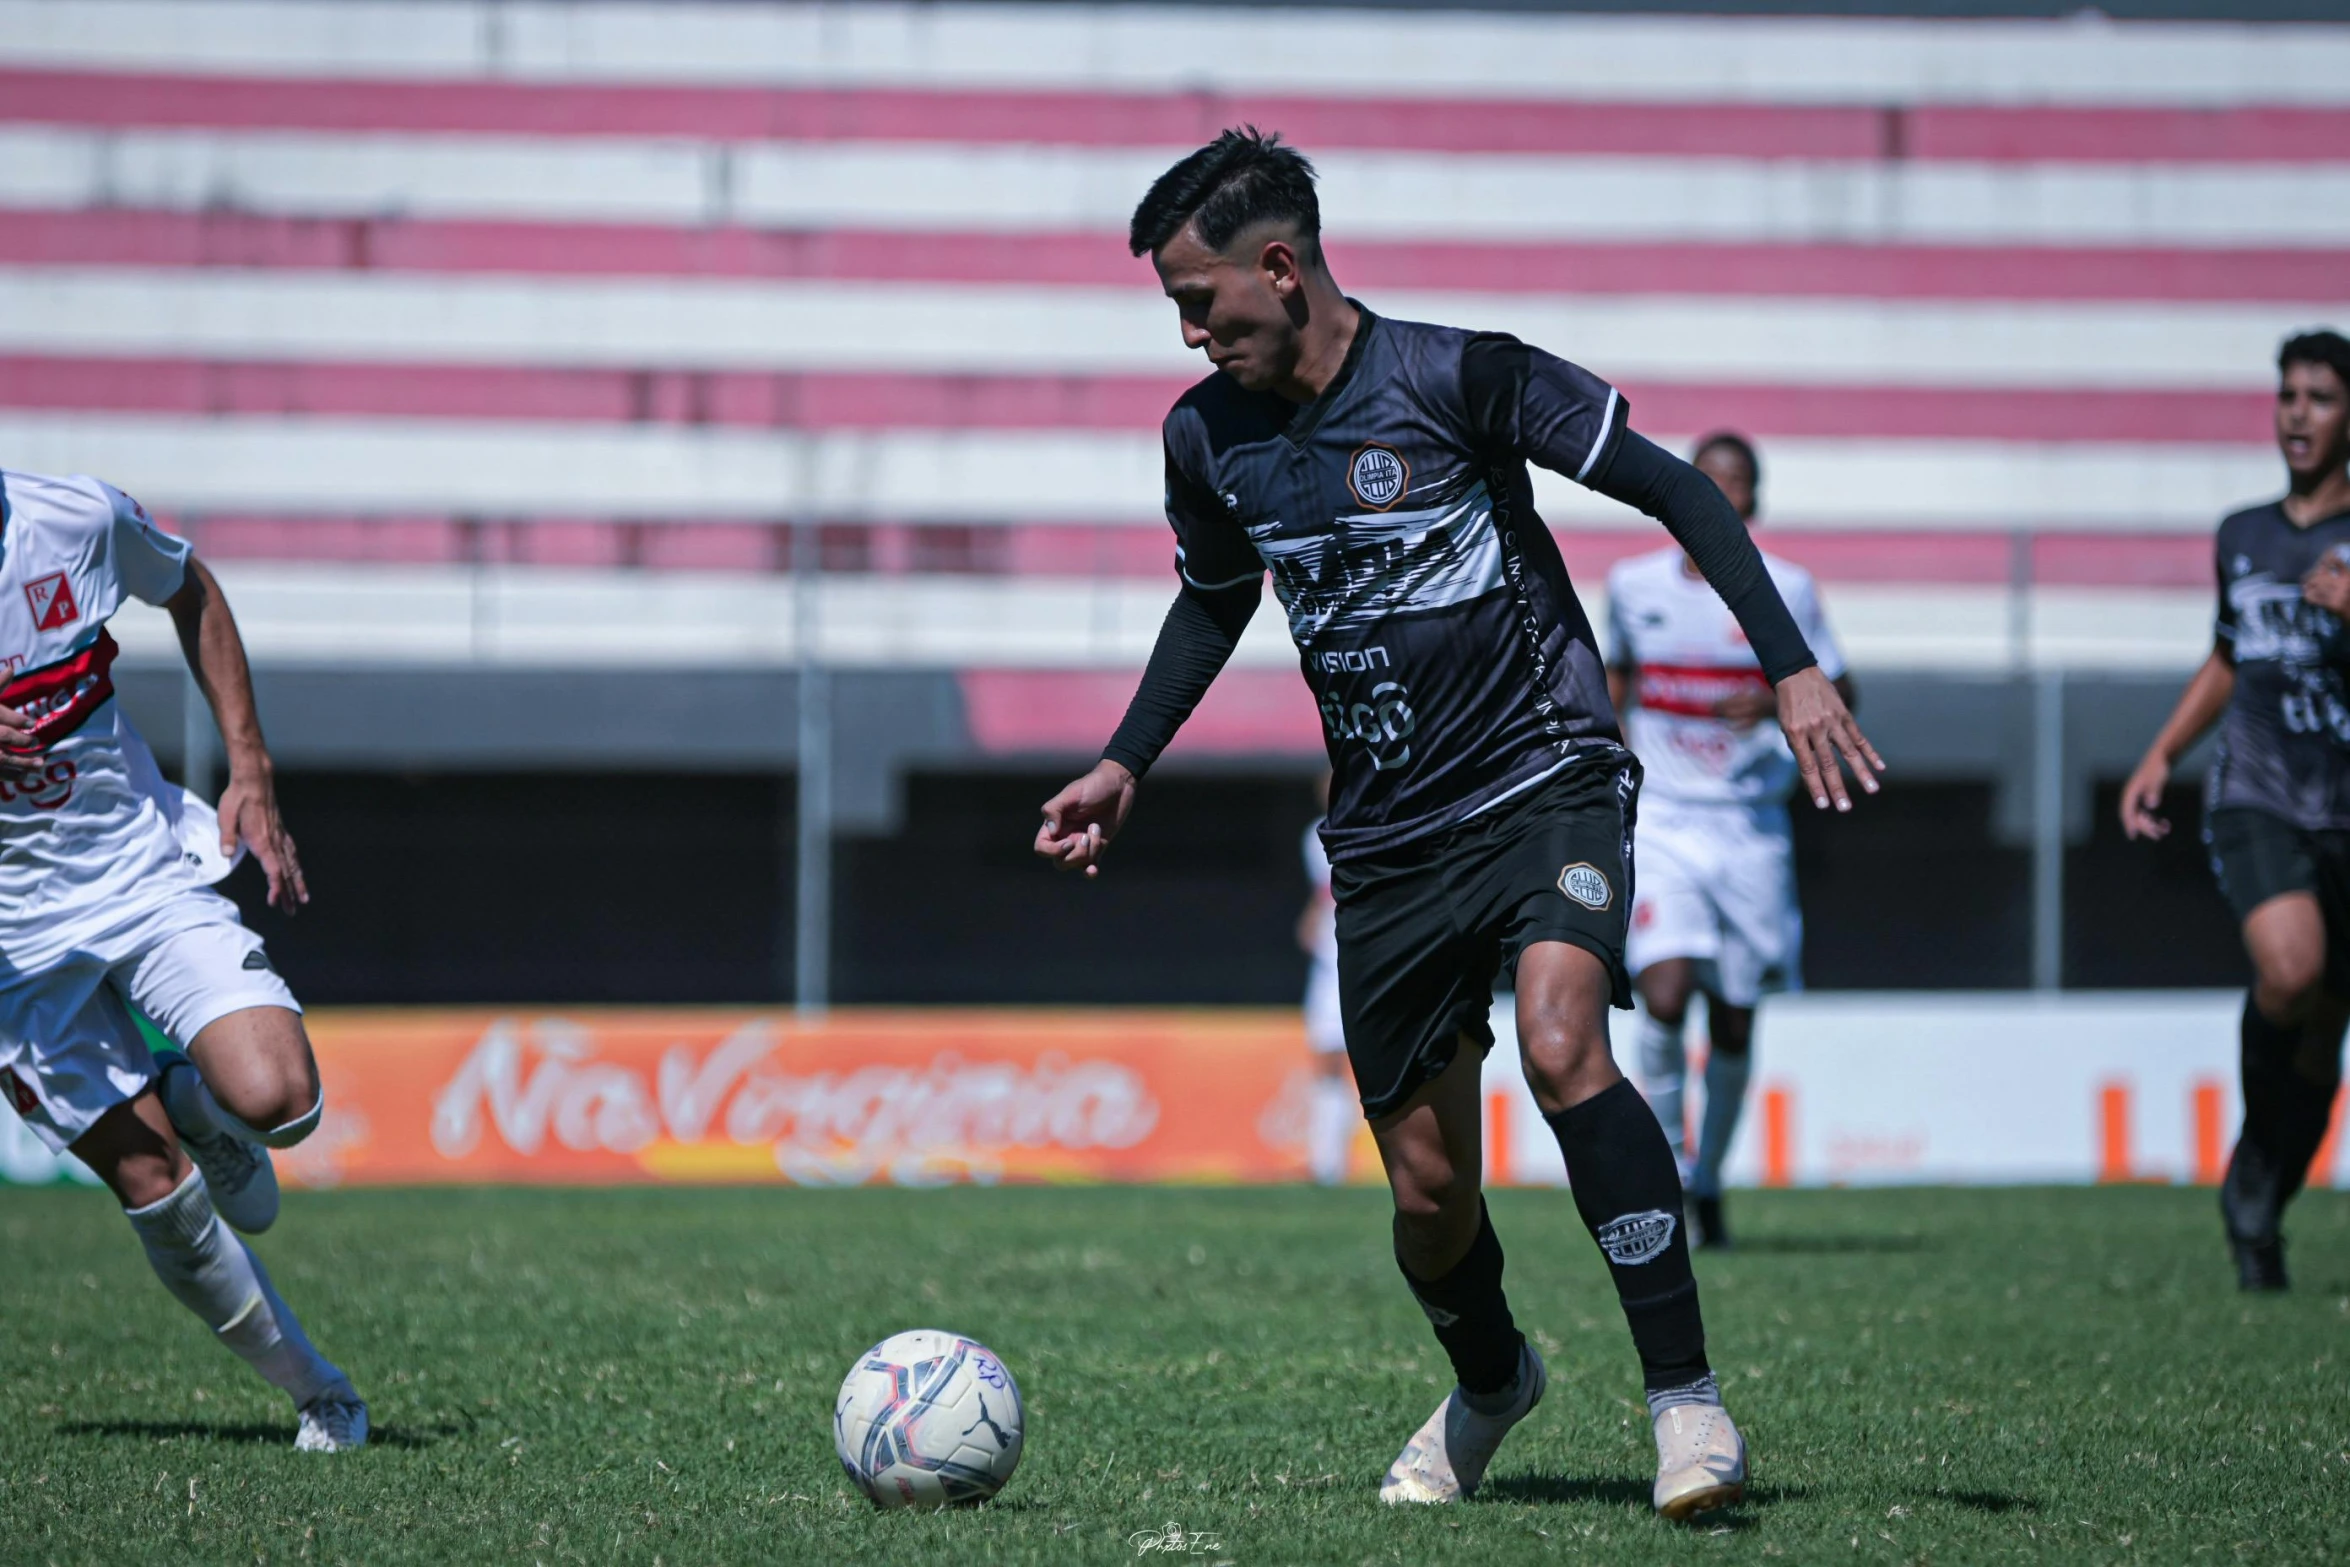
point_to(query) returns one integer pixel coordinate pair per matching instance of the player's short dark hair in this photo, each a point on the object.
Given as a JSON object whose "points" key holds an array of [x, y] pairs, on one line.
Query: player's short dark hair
{"points": [[2323, 346], [1242, 178], [1732, 441]]}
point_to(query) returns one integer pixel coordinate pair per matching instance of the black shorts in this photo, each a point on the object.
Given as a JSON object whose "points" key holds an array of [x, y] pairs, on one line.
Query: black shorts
{"points": [[1424, 930], [2257, 856]]}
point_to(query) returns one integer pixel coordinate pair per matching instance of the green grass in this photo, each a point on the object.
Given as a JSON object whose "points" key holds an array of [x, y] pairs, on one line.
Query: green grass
{"points": [[647, 1375]]}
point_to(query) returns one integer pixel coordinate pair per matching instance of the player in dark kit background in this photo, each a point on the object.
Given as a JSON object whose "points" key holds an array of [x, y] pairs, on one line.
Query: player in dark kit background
{"points": [[2277, 805], [1483, 802]]}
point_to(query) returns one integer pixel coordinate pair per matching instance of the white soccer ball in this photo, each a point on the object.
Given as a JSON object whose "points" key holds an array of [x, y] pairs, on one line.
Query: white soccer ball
{"points": [[928, 1419]]}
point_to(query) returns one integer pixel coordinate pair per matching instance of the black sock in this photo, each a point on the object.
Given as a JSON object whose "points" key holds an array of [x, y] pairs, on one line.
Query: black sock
{"points": [[2285, 1118], [1469, 1313], [1629, 1195]]}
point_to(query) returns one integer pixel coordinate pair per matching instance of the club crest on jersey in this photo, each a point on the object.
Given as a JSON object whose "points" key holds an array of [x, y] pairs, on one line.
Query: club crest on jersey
{"points": [[52, 600], [1379, 476], [1637, 1237], [1587, 884]]}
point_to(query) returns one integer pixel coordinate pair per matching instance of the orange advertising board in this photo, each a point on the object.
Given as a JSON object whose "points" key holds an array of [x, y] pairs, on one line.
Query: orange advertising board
{"points": [[903, 1097]]}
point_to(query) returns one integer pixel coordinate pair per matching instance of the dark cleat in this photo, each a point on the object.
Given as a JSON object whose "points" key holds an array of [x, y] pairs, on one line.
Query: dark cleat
{"points": [[2260, 1265]]}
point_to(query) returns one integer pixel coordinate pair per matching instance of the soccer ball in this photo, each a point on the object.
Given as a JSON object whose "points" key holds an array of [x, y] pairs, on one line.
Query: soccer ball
{"points": [[928, 1419]]}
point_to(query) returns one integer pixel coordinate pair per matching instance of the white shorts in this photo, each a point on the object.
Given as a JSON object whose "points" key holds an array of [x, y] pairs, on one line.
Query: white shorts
{"points": [[69, 1051], [1325, 1027], [1716, 883]]}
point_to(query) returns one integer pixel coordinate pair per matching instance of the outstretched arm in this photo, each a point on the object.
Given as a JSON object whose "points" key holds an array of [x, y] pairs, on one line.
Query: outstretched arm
{"points": [[1819, 726], [1202, 628], [248, 807], [2199, 706]]}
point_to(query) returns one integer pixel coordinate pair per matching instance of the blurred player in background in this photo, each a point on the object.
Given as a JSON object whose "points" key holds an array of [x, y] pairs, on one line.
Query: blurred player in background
{"points": [[1482, 802], [1716, 913], [2277, 803], [1335, 1111], [106, 904]]}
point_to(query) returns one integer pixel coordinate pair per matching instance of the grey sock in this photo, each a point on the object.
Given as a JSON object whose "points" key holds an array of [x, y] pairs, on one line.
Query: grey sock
{"points": [[1705, 1390]]}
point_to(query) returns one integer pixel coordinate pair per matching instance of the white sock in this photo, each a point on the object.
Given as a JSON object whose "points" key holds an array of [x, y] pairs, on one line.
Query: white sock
{"points": [[1725, 1098], [1663, 1070], [218, 1278], [1330, 1129], [188, 1100]]}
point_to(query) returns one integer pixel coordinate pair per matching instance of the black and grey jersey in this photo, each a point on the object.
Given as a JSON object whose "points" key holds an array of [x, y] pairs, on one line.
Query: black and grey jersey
{"points": [[2284, 743], [1431, 611]]}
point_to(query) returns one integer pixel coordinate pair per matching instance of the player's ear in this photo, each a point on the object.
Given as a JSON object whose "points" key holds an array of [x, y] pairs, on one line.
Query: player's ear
{"points": [[1277, 262]]}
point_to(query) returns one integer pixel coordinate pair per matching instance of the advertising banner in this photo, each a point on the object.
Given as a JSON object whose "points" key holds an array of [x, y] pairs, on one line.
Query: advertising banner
{"points": [[1847, 1090], [909, 1098]]}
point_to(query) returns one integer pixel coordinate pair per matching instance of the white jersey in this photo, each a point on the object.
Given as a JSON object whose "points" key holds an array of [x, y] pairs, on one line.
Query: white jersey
{"points": [[95, 832], [1689, 654]]}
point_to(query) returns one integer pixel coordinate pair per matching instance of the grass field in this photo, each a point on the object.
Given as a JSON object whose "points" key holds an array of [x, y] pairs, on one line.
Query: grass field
{"points": [[647, 1376]]}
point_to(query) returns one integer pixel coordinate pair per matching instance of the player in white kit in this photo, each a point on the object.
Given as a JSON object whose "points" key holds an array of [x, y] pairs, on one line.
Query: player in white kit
{"points": [[1714, 909], [106, 904], [1336, 1110]]}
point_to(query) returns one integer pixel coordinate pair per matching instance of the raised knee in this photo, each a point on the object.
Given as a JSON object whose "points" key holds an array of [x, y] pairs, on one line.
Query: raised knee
{"points": [[1434, 1195], [2289, 985]]}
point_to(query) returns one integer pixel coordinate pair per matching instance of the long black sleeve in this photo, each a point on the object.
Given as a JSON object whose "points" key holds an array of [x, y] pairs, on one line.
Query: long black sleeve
{"points": [[1202, 628], [1642, 474]]}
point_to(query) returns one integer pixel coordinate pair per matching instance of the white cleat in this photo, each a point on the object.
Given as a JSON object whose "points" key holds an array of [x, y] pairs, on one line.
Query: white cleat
{"points": [[1700, 1461], [333, 1422], [238, 1174], [1445, 1459]]}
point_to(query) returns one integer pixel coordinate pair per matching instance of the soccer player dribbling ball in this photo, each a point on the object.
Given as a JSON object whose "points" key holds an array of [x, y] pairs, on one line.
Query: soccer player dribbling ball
{"points": [[1482, 806], [2277, 804], [106, 904], [1716, 914]]}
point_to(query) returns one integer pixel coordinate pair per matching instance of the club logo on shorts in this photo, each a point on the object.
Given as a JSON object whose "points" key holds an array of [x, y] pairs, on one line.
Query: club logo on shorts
{"points": [[1587, 884], [1379, 476], [18, 1094], [52, 600], [1637, 1237], [255, 961]]}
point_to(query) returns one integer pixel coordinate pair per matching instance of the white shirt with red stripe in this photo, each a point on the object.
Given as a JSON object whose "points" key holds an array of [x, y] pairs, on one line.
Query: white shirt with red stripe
{"points": [[1689, 655], [95, 829]]}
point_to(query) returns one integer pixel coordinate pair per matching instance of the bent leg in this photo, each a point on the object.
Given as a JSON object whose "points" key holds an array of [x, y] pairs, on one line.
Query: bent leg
{"points": [[1433, 1149], [210, 1271], [1621, 1172], [260, 1078], [2290, 1062]]}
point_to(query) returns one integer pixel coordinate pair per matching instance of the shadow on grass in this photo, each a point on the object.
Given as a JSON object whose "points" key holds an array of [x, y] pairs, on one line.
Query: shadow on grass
{"points": [[1558, 1490], [1994, 1502], [1823, 1245], [252, 1432]]}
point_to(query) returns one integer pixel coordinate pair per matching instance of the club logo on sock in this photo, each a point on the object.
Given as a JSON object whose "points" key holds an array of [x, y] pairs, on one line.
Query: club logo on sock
{"points": [[1437, 1315], [1637, 1237], [1587, 884]]}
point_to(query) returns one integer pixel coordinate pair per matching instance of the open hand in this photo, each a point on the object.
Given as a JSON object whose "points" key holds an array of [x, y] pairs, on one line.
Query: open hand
{"points": [[1820, 731], [1080, 821], [248, 810]]}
